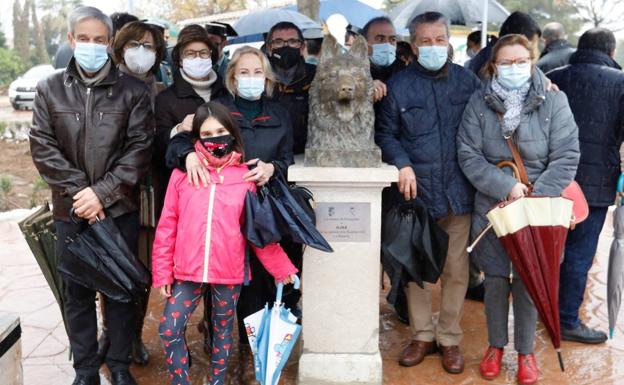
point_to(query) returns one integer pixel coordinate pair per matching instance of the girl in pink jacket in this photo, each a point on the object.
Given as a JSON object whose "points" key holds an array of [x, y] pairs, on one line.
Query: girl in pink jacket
{"points": [[199, 244]]}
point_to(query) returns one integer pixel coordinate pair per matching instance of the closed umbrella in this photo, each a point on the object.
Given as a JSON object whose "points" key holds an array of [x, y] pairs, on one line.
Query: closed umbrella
{"points": [[261, 21], [533, 231], [459, 12], [615, 276], [272, 334]]}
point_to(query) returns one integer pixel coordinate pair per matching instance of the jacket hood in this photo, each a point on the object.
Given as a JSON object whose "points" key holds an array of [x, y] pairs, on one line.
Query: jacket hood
{"points": [[535, 97], [593, 56]]}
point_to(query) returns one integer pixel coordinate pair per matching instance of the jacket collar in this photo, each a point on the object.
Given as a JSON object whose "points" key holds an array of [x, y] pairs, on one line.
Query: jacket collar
{"points": [[267, 118], [422, 71], [71, 74], [535, 97], [555, 46], [184, 89], [592, 56]]}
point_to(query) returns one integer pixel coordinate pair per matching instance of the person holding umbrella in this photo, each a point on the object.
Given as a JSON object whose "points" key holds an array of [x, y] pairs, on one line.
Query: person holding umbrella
{"points": [[200, 247], [91, 142], [516, 104], [594, 84]]}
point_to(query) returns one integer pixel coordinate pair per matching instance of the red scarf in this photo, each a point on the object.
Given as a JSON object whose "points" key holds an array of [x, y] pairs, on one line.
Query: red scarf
{"points": [[211, 161]]}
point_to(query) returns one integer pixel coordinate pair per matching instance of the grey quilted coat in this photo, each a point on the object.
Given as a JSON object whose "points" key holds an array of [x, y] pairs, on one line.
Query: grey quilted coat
{"points": [[547, 140]]}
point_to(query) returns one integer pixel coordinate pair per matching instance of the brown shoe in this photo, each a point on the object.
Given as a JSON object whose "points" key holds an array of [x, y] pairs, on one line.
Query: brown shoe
{"points": [[415, 352], [452, 359]]}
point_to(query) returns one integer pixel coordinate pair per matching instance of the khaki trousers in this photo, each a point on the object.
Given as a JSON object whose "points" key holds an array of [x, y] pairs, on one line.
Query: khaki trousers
{"points": [[454, 281]]}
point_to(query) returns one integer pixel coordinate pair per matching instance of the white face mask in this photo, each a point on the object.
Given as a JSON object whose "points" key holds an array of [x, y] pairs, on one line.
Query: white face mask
{"points": [[197, 68], [139, 60]]}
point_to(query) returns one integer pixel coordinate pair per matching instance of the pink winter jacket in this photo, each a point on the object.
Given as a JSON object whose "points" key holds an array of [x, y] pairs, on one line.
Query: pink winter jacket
{"points": [[199, 235]]}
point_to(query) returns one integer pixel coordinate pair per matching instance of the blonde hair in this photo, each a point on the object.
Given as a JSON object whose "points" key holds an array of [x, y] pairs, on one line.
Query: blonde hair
{"points": [[230, 74]]}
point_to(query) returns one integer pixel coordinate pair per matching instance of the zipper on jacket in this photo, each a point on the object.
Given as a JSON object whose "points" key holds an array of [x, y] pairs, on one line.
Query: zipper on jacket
{"points": [[101, 115], [510, 273], [213, 189], [86, 125], [77, 117]]}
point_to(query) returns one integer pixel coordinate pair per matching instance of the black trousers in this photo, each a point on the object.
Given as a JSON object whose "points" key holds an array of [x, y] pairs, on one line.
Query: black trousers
{"points": [[80, 311]]}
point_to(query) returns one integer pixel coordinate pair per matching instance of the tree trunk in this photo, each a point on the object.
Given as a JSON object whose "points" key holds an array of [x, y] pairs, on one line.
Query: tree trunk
{"points": [[310, 8], [41, 54]]}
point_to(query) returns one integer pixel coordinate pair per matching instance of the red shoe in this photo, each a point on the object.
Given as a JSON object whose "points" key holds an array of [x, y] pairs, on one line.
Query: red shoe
{"points": [[528, 373], [491, 363]]}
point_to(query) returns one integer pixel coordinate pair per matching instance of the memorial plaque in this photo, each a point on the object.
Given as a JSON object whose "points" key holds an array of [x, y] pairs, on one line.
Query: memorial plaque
{"points": [[344, 221]]}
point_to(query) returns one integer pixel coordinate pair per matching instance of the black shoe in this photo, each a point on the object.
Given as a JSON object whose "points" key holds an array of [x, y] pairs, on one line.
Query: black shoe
{"points": [[122, 377], [140, 355], [86, 380], [584, 335], [476, 293]]}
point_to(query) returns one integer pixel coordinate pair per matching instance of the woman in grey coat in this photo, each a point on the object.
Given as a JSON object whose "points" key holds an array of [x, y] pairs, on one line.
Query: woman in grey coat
{"points": [[542, 127]]}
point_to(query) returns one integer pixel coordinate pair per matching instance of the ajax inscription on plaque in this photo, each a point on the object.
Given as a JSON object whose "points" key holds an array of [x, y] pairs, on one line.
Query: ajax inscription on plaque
{"points": [[344, 221]]}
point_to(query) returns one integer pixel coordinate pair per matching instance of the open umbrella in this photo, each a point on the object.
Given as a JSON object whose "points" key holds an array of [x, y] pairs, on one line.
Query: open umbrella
{"points": [[459, 12], [533, 231], [261, 21], [615, 276], [272, 334]]}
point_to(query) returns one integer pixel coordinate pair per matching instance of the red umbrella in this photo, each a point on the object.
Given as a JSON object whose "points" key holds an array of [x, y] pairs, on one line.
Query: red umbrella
{"points": [[533, 231]]}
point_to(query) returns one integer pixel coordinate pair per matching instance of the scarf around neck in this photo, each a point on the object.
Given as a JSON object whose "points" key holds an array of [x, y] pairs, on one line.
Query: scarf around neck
{"points": [[513, 101], [211, 161]]}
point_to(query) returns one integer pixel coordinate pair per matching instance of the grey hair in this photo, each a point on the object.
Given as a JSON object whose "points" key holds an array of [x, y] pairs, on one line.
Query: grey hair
{"points": [[83, 13], [428, 18], [553, 31]]}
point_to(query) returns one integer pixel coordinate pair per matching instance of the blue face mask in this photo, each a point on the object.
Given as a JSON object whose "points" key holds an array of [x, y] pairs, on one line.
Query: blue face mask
{"points": [[433, 58], [513, 76], [250, 88], [91, 56], [383, 54]]}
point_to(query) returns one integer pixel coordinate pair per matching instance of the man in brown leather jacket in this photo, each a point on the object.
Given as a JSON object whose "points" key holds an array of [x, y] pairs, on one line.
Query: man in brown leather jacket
{"points": [[90, 140]]}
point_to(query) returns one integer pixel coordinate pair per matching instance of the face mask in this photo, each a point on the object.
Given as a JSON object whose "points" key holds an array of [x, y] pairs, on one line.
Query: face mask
{"points": [[219, 146], [197, 68], [471, 53], [286, 57], [139, 60], [383, 54], [91, 56], [513, 76], [250, 88], [433, 58]]}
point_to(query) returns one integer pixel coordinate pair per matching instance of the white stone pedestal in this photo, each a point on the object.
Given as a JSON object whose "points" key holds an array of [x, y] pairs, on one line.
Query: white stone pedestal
{"points": [[10, 350], [341, 289]]}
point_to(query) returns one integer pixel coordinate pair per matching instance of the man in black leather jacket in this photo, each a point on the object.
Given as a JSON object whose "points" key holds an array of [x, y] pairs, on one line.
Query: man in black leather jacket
{"points": [[90, 140]]}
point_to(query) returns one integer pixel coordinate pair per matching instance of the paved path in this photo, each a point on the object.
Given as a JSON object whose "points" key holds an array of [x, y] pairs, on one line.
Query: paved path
{"points": [[23, 291]]}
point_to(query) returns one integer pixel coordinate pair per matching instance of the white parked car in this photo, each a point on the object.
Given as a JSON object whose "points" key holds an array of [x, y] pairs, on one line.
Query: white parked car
{"points": [[22, 90]]}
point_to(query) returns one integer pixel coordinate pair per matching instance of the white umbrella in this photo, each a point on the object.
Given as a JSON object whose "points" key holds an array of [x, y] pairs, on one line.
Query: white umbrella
{"points": [[459, 12], [262, 20]]}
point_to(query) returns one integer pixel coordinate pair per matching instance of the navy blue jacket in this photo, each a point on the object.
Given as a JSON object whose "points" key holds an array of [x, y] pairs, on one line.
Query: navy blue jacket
{"points": [[416, 125], [594, 84]]}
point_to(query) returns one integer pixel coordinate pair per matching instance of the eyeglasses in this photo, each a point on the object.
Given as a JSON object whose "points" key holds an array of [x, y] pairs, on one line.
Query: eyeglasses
{"points": [[520, 61], [136, 44], [279, 43], [191, 54]]}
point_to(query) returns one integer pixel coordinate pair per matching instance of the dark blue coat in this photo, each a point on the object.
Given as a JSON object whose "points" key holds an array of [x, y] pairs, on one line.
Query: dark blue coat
{"points": [[416, 125], [594, 84]]}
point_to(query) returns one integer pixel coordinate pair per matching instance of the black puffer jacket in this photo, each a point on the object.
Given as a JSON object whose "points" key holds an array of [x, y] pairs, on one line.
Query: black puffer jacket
{"points": [[416, 125], [556, 54], [268, 137], [594, 84], [98, 137]]}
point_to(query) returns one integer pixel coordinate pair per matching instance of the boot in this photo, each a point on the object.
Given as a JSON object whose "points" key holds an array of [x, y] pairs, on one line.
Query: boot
{"points": [[528, 373], [491, 363], [247, 371]]}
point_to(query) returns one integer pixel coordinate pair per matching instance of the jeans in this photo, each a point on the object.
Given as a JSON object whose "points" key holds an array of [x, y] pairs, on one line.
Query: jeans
{"points": [[580, 249]]}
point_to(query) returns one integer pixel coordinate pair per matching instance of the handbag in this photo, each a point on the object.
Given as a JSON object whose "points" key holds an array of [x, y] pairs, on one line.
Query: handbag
{"points": [[580, 208]]}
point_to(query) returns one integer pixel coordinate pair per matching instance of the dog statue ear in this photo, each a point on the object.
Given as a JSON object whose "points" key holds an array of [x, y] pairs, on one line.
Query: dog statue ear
{"points": [[359, 49], [329, 49]]}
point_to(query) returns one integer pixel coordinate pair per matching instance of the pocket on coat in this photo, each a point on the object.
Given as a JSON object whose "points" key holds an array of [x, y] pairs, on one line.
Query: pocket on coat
{"points": [[417, 121]]}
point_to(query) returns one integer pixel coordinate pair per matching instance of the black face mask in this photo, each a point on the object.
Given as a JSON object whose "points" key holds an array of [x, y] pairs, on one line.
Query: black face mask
{"points": [[286, 57], [219, 146]]}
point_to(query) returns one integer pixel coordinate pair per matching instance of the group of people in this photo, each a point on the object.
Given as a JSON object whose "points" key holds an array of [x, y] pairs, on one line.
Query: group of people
{"points": [[197, 130]]}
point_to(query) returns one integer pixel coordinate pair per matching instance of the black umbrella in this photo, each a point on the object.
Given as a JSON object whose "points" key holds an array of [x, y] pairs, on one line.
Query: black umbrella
{"points": [[260, 227], [413, 246]]}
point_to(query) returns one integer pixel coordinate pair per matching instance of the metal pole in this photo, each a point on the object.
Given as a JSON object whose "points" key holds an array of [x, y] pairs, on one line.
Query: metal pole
{"points": [[484, 23]]}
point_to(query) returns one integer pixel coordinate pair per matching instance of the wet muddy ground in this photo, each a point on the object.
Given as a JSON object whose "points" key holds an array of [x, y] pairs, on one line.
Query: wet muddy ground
{"points": [[24, 292]]}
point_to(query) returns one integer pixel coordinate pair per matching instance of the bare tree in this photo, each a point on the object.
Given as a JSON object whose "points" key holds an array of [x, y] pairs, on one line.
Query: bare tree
{"points": [[310, 8], [601, 13]]}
